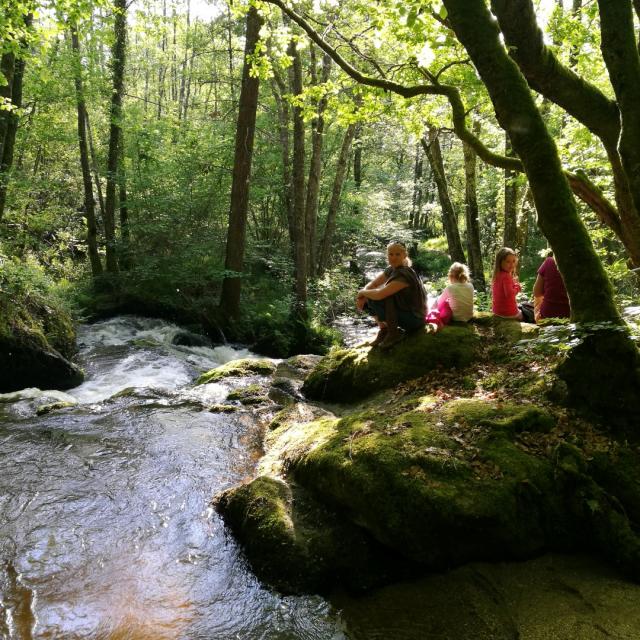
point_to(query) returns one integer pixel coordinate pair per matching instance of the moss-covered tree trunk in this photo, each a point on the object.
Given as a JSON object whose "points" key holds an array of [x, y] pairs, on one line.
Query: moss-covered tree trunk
{"points": [[583, 100], [620, 52], [607, 359], [431, 146], [13, 69], [245, 131], [510, 201]]}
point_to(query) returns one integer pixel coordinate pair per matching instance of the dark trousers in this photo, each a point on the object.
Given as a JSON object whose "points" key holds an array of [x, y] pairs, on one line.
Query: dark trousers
{"points": [[386, 310]]}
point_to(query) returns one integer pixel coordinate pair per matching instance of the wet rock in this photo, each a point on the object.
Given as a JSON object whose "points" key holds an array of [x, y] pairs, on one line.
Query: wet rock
{"points": [[238, 368], [33, 363], [285, 391], [54, 406], [223, 408], [189, 339], [319, 548], [251, 394], [297, 367]]}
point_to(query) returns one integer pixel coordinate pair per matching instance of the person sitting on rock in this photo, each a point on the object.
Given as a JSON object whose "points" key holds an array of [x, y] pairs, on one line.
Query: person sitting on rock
{"points": [[457, 295], [505, 285], [395, 298], [549, 292]]}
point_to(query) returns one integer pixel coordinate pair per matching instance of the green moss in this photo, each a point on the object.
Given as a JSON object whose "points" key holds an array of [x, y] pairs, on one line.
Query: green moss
{"points": [[238, 368], [412, 479], [346, 375], [251, 394], [223, 408], [298, 545], [54, 406], [512, 418]]}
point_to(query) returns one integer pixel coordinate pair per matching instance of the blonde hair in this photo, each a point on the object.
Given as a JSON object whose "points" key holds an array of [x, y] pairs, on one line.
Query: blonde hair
{"points": [[500, 256], [407, 260], [459, 272]]}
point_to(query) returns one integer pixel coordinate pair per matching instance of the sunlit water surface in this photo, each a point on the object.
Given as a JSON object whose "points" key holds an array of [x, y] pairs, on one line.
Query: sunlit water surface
{"points": [[106, 529]]}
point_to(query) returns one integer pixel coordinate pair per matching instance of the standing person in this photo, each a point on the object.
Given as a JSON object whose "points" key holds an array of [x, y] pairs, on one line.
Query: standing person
{"points": [[505, 285], [395, 298], [550, 287], [459, 293]]}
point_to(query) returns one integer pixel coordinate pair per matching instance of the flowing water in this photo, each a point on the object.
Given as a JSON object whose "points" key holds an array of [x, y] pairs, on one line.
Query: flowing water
{"points": [[106, 528]]}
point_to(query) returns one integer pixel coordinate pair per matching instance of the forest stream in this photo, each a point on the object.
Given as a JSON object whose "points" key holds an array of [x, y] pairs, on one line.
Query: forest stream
{"points": [[107, 530]]}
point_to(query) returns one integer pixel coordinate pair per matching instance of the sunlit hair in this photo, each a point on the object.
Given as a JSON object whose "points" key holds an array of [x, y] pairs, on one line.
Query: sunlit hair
{"points": [[407, 260], [459, 272], [500, 256]]}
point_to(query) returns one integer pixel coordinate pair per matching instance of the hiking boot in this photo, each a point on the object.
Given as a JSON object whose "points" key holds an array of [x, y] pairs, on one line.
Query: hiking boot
{"points": [[379, 339], [392, 338]]}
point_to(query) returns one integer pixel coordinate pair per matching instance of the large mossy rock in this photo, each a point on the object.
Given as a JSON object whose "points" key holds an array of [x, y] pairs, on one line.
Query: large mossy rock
{"points": [[438, 484], [346, 375], [36, 343], [299, 543]]}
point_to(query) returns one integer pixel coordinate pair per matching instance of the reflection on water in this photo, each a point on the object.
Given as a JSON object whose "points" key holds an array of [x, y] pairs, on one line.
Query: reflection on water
{"points": [[106, 530]]}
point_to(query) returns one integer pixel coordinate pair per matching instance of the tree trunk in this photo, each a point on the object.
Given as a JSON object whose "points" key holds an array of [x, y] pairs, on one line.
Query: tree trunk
{"points": [[416, 201], [584, 101], [13, 68], [125, 253], [299, 239], [510, 201], [471, 215], [620, 53], [94, 164], [115, 133], [330, 224], [603, 372], [279, 90], [315, 166], [449, 220], [245, 131], [89, 202]]}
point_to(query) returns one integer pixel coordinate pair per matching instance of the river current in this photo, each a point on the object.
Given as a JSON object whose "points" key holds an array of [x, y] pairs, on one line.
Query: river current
{"points": [[106, 528]]}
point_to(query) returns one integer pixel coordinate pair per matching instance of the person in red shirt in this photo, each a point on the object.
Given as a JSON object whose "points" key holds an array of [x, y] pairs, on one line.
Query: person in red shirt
{"points": [[550, 287], [505, 285]]}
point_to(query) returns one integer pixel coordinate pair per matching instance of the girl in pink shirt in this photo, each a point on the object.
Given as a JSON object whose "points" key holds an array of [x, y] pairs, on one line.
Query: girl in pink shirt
{"points": [[505, 285]]}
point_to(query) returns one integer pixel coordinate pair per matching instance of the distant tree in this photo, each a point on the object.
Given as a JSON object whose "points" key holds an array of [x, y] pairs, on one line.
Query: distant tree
{"points": [[245, 133]]}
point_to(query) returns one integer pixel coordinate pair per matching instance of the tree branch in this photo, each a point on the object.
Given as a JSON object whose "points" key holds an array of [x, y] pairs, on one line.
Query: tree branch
{"points": [[581, 187]]}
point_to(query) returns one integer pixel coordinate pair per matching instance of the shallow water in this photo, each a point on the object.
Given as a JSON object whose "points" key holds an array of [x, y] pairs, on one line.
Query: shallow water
{"points": [[106, 526]]}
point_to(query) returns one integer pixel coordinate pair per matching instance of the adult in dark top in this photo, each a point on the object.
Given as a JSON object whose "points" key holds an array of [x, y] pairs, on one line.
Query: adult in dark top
{"points": [[396, 298], [550, 286]]}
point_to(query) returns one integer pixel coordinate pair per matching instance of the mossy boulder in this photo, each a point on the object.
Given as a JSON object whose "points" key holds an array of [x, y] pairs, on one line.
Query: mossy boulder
{"points": [[238, 369], [346, 375], [298, 542], [435, 484], [36, 341], [439, 490]]}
